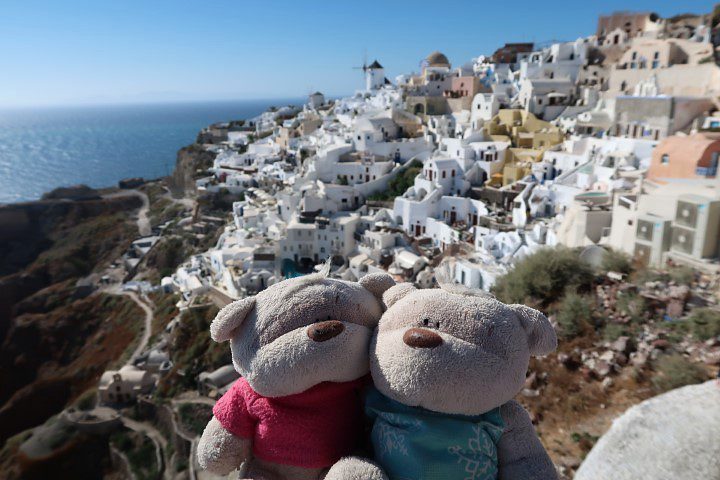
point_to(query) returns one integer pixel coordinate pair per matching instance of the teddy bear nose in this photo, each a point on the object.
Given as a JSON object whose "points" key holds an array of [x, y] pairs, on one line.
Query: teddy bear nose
{"points": [[421, 338], [321, 331]]}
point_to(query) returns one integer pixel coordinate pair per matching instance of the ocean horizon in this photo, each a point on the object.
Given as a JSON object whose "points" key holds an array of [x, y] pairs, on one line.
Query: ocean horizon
{"points": [[42, 148]]}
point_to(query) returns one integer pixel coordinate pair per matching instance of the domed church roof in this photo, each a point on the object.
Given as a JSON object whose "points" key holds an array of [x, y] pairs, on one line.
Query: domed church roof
{"points": [[437, 59]]}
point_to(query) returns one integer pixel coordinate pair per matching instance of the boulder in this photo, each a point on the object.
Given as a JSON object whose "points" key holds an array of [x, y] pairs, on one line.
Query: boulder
{"points": [[671, 436], [621, 345]]}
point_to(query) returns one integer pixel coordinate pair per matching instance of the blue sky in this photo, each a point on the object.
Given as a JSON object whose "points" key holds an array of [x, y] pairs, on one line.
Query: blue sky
{"points": [[79, 52]]}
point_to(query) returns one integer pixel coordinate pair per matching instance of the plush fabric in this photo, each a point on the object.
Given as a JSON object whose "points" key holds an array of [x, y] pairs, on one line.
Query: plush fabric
{"points": [[229, 319], [475, 364], [301, 347], [270, 346], [520, 453], [293, 362], [312, 429], [415, 443], [219, 451], [476, 330], [355, 468], [377, 283]]}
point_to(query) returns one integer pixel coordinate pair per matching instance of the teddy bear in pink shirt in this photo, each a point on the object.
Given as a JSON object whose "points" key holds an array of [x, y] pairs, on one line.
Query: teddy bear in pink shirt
{"points": [[301, 347]]}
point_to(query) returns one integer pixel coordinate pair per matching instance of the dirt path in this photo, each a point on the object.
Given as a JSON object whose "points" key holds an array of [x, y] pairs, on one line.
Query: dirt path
{"points": [[157, 438], [147, 328], [143, 221]]}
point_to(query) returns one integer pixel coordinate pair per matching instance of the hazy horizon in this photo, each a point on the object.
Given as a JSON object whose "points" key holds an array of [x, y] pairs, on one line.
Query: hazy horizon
{"points": [[156, 101], [85, 53]]}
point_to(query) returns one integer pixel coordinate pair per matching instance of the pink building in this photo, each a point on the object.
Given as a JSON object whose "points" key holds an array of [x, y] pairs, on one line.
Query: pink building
{"points": [[463, 87]]}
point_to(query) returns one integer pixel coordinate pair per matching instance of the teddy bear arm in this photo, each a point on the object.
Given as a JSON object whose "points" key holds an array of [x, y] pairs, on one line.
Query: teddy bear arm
{"points": [[221, 452], [520, 452]]}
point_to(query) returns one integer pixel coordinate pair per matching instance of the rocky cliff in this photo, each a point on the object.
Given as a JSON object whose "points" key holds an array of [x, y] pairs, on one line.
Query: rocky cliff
{"points": [[190, 159]]}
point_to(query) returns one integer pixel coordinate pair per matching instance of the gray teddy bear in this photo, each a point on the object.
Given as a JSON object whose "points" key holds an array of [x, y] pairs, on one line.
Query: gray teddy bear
{"points": [[301, 347], [446, 364]]}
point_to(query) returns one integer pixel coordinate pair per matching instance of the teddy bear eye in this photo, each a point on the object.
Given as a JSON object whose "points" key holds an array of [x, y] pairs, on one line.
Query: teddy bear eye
{"points": [[426, 321], [437, 325]]}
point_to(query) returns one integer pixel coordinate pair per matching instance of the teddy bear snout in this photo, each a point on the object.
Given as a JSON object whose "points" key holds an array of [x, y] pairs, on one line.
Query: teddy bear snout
{"points": [[422, 338], [322, 331]]}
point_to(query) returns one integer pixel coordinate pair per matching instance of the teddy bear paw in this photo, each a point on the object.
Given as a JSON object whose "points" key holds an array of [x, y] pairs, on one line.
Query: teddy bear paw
{"points": [[355, 468]]}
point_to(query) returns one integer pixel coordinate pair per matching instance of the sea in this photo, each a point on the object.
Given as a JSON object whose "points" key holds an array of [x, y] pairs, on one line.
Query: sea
{"points": [[45, 148]]}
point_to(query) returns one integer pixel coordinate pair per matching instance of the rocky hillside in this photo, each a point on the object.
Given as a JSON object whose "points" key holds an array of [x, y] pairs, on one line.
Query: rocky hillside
{"points": [[55, 341], [624, 337]]}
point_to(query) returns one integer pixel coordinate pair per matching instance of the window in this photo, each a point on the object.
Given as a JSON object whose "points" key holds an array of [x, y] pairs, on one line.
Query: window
{"points": [[443, 174], [711, 170], [665, 159]]}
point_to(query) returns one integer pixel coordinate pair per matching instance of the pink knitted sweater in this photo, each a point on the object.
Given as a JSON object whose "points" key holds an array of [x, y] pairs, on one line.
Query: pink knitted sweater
{"points": [[311, 429]]}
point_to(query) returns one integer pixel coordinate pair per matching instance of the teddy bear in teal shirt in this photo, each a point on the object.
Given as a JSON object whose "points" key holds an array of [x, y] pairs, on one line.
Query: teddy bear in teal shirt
{"points": [[446, 364]]}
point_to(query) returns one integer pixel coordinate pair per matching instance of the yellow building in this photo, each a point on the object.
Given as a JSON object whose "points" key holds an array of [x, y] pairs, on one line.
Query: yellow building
{"points": [[529, 136]]}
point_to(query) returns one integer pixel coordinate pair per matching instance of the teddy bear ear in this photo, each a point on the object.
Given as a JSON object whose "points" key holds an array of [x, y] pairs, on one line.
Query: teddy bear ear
{"points": [[229, 319], [393, 294], [541, 334], [377, 283]]}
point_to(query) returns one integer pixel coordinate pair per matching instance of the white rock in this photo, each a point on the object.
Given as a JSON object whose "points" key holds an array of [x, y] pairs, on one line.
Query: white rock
{"points": [[671, 436], [607, 383]]}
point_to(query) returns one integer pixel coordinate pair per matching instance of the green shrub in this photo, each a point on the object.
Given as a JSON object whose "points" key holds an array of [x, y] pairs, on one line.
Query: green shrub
{"points": [[544, 276], [616, 261], [703, 323], [86, 401], [613, 331], [682, 275], [675, 371], [399, 185], [575, 315], [633, 305]]}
